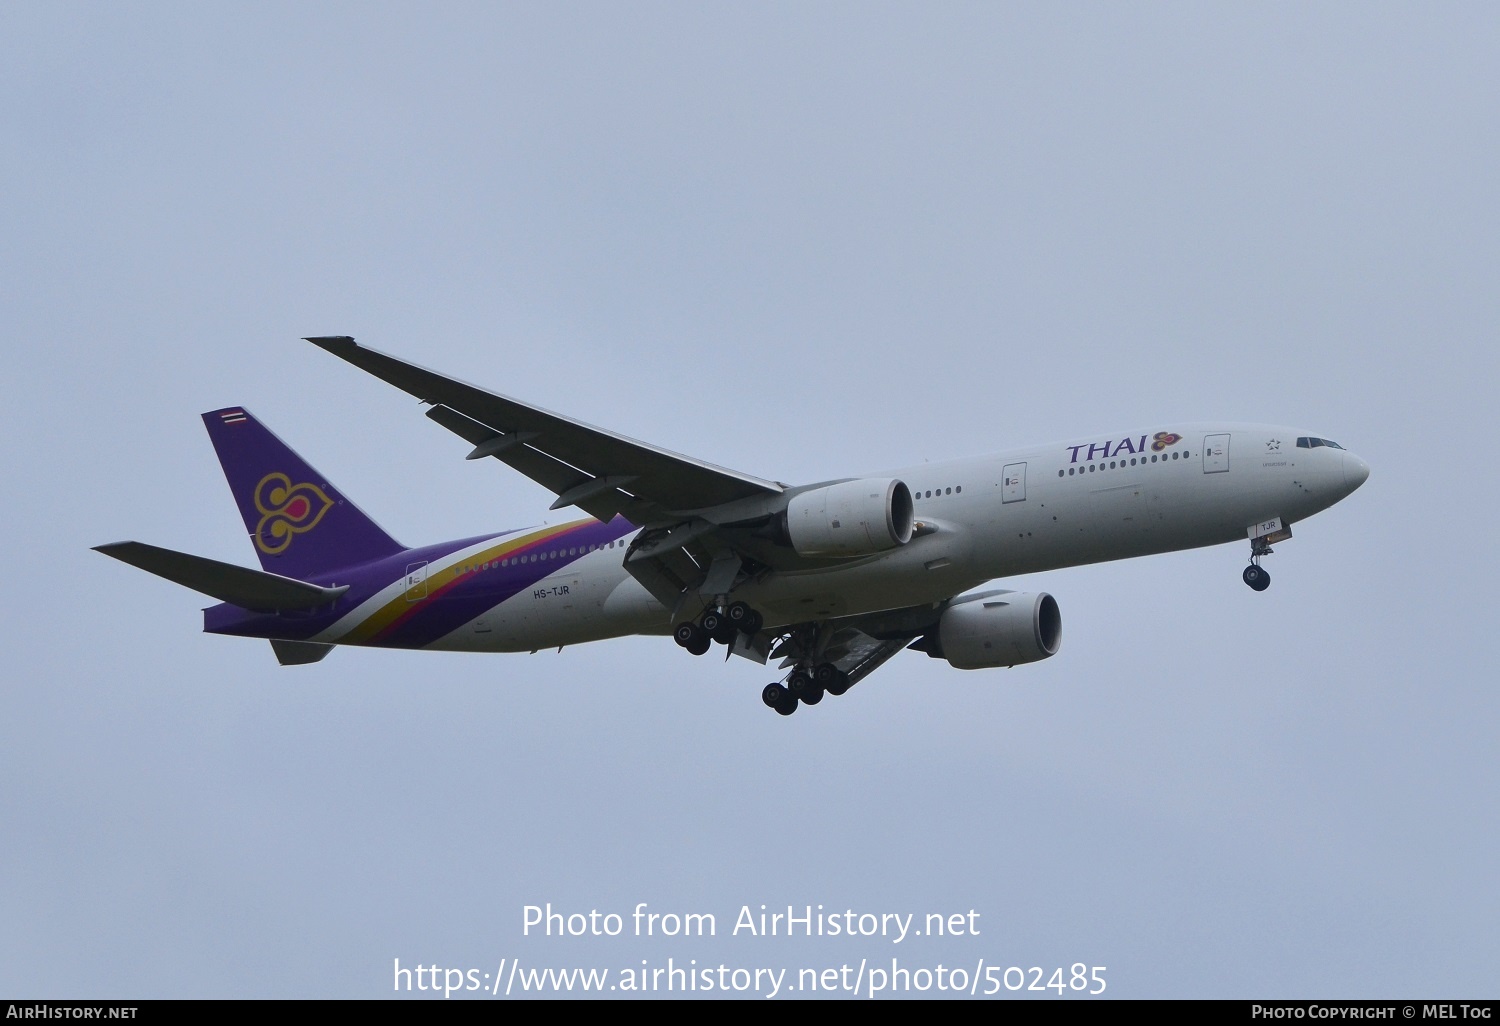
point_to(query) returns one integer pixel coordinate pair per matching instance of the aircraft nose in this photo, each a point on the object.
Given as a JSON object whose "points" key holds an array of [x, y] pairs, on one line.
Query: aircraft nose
{"points": [[1356, 471]]}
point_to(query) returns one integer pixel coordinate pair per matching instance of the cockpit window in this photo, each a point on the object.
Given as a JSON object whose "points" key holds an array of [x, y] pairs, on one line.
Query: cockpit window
{"points": [[1330, 443], [1313, 443]]}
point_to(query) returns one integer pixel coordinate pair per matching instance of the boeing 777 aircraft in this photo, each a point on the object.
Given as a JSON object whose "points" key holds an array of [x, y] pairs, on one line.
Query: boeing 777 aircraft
{"points": [[831, 578]]}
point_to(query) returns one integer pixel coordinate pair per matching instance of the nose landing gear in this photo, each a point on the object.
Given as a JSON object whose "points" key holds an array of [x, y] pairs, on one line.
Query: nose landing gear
{"points": [[1255, 575]]}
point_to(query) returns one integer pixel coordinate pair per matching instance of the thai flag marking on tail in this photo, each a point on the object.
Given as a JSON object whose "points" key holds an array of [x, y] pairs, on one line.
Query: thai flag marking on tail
{"points": [[233, 416]]}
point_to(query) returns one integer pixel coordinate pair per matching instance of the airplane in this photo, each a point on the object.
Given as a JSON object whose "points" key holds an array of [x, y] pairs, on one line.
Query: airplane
{"points": [[832, 578]]}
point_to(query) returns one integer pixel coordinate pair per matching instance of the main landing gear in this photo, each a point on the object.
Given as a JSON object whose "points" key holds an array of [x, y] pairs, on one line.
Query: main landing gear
{"points": [[806, 687], [1255, 575], [718, 626]]}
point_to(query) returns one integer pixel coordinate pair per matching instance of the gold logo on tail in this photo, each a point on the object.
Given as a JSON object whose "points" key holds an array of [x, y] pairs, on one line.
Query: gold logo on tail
{"points": [[286, 510]]}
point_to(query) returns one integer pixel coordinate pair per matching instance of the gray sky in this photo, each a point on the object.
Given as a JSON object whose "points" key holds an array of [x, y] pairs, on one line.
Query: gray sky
{"points": [[801, 241]]}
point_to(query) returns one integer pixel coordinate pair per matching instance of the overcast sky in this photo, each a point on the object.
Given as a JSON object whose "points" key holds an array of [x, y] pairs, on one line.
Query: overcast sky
{"points": [[801, 241]]}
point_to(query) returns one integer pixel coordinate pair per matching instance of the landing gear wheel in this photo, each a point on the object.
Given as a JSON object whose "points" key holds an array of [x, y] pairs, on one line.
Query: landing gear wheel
{"points": [[702, 645], [813, 695], [711, 621], [831, 678], [686, 634], [743, 617], [1257, 577], [725, 632], [779, 698], [799, 684]]}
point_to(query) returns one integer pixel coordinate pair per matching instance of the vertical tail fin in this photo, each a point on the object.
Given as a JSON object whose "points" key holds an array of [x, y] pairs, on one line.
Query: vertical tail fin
{"points": [[301, 525]]}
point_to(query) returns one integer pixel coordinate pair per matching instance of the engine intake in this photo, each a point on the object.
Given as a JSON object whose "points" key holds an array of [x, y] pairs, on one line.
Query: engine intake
{"points": [[1006, 630], [853, 518]]}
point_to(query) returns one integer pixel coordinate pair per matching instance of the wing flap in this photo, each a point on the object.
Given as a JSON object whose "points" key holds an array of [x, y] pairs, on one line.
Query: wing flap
{"points": [[547, 471], [860, 662]]}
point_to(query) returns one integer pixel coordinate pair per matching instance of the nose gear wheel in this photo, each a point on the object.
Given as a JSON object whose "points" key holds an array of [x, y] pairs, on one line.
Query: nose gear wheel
{"points": [[1255, 575]]}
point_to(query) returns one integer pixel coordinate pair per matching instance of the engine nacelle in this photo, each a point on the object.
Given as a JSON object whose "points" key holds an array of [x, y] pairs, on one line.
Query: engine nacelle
{"points": [[854, 518], [1005, 630]]}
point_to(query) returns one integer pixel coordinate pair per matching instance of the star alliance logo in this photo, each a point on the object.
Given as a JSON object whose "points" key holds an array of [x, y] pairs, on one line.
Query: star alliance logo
{"points": [[1274, 445]]}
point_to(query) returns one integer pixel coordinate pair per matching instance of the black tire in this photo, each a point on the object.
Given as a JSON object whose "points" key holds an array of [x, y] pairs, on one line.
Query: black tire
{"points": [[1256, 577], [745, 618], [685, 633], [813, 695], [701, 644], [799, 684], [711, 621], [788, 707], [1264, 583], [774, 695], [838, 685], [725, 632]]}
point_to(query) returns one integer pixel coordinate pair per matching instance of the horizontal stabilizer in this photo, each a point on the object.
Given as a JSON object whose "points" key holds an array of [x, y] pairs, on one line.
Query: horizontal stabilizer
{"points": [[298, 653], [237, 585]]}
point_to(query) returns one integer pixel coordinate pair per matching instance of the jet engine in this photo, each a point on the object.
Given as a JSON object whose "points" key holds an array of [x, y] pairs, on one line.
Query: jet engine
{"points": [[1005, 630], [853, 518]]}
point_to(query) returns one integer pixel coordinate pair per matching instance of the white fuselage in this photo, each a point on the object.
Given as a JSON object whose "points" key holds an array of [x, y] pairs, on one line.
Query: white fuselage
{"points": [[987, 517]]}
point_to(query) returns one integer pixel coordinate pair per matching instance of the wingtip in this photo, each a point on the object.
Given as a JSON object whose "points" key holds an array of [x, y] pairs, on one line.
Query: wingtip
{"points": [[332, 343]]}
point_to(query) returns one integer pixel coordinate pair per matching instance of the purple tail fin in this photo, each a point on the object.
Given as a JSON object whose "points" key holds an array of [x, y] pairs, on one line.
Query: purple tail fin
{"points": [[301, 525]]}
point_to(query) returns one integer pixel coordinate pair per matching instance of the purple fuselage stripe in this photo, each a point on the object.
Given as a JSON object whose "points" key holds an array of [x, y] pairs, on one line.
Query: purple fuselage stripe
{"points": [[452, 599], [451, 604]]}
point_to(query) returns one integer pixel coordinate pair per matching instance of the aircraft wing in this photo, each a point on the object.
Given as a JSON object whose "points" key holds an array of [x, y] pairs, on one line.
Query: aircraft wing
{"points": [[596, 470]]}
